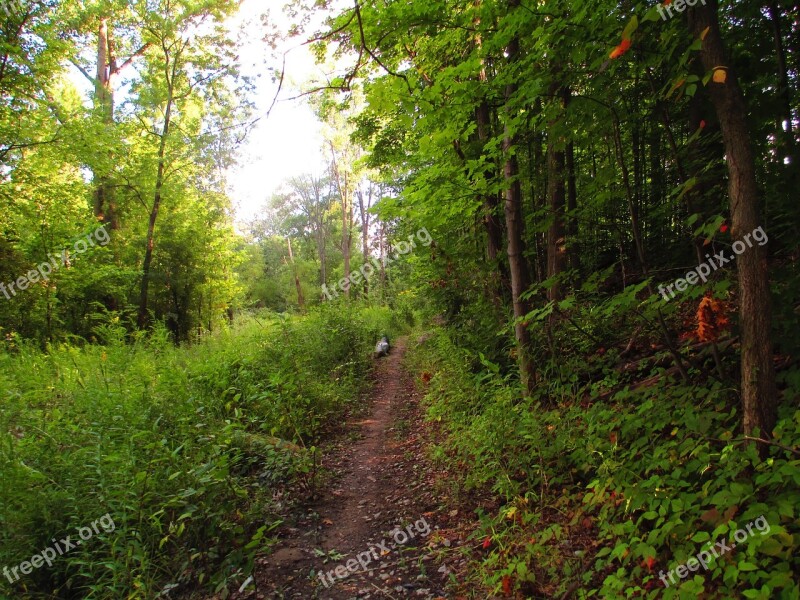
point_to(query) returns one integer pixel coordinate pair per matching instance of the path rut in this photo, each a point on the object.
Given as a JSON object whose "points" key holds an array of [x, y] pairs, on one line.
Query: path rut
{"points": [[376, 508]]}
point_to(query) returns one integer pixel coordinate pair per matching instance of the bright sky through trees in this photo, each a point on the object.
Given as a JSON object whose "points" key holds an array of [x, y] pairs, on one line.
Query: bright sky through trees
{"points": [[288, 142]]}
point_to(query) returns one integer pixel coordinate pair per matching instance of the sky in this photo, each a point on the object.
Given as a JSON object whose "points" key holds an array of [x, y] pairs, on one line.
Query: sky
{"points": [[287, 142]]}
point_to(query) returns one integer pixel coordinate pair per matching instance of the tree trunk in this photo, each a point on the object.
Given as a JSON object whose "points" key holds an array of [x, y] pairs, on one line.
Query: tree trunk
{"points": [[365, 221], [520, 278], [573, 257], [148, 255], [759, 394], [342, 184], [786, 143], [301, 302], [556, 198], [104, 204], [491, 202]]}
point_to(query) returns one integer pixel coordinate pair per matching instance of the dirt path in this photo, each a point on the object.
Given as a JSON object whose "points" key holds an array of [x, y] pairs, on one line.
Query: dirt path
{"points": [[373, 533]]}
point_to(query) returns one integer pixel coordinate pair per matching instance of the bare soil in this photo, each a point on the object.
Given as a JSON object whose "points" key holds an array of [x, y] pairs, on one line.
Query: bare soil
{"points": [[377, 504]]}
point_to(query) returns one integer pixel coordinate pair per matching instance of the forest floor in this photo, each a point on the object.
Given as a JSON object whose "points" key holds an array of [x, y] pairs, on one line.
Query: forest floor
{"points": [[377, 512]]}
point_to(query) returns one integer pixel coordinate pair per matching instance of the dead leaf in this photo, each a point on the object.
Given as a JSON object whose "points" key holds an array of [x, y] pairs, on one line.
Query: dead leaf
{"points": [[720, 75], [710, 516], [730, 513]]}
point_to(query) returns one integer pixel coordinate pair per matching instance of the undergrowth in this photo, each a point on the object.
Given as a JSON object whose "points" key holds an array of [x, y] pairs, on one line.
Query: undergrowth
{"points": [[605, 489], [185, 448]]}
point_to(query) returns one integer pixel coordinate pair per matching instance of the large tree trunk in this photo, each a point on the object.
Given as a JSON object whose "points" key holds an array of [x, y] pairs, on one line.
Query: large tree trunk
{"points": [[758, 373], [556, 232], [104, 204], [490, 200], [103, 81], [556, 198], [491, 203], [520, 277], [573, 258]]}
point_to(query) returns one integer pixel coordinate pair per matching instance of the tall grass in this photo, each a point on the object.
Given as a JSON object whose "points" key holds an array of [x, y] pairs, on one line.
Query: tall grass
{"points": [[181, 446]]}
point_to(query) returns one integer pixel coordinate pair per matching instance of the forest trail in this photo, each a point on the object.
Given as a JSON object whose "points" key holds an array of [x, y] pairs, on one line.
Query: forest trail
{"points": [[378, 485]]}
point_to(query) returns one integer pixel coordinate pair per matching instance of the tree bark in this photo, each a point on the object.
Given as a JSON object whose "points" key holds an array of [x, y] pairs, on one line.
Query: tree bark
{"points": [[759, 394], [573, 258], [556, 198], [301, 302], [107, 69], [143, 316], [104, 204], [342, 184], [520, 278], [363, 210]]}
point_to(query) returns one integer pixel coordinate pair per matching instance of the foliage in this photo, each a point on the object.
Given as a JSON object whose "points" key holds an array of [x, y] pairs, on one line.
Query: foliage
{"points": [[183, 447], [612, 489]]}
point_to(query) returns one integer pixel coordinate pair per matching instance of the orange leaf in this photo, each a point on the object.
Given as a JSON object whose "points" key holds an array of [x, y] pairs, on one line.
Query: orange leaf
{"points": [[720, 75], [621, 49], [711, 319], [649, 562]]}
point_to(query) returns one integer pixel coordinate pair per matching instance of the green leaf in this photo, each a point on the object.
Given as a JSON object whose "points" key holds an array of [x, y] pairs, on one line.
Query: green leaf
{"points": [[630, 28], [701, 536]]}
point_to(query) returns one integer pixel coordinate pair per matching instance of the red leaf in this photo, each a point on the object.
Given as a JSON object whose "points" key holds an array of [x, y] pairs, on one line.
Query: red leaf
{"points": [[506, 585], [621, 49], [724, 228], [702, 124], [487, 542]]}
